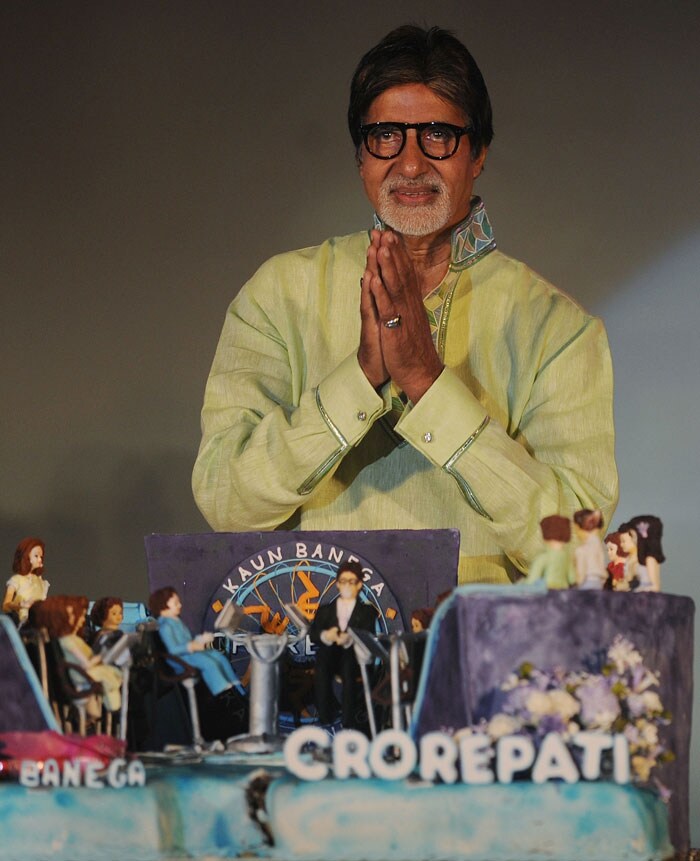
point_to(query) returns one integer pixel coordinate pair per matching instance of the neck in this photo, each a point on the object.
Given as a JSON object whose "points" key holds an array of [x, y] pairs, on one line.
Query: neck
{"points": [[430, 256]]}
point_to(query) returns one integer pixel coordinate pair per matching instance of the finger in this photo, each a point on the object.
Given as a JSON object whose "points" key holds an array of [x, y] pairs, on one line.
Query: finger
{"points": [[368, 305], [395, 269]]}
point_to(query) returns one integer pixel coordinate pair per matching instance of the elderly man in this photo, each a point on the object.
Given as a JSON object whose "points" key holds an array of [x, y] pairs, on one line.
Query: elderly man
{"points": [[411, 376]]}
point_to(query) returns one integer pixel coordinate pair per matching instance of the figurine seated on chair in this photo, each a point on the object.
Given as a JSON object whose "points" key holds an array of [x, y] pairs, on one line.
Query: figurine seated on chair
{"points": [[63, 616], [106, 616], [217, 673], [27, 583], [555, 563], [334, 652]]}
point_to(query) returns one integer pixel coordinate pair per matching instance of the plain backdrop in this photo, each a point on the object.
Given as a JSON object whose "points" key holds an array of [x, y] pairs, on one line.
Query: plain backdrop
{"points": [[155, 153]]}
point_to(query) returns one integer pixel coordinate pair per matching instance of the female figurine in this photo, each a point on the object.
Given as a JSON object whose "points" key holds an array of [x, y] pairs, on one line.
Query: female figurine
{"points": [[641, 539], [64, 617], [421, 619], [106, 616], [27, 583], [590, 557], [617, 580], [217, 673]]}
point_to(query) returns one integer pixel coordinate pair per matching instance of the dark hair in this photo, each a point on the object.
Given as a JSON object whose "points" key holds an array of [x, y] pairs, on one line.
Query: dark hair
{"points": [[351, 566], [20, 561], [53, 614], [100, 608], [423, 615], [556, 528], [648, 530], [158, 600], [589, 519], [434, 57], [614, 538]]}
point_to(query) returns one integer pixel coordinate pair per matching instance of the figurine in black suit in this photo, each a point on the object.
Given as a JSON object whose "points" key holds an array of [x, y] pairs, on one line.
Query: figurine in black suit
{"points": [[334, 653]]}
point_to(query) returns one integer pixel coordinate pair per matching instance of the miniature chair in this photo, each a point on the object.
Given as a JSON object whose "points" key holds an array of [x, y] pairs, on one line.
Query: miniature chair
{"points": [[167, 679], [68, 696], [34, 642], [400, 655]]}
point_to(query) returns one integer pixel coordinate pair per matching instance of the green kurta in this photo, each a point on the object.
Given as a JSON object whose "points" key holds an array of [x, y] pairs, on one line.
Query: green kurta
{"points": [[517, 427]]}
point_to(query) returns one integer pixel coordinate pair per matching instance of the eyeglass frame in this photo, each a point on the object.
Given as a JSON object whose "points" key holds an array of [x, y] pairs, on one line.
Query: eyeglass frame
{"points": [[458, 131]]}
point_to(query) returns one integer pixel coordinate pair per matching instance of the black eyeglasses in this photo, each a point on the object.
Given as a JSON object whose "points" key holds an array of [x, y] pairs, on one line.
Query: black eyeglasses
{"points": [[436, 140]]}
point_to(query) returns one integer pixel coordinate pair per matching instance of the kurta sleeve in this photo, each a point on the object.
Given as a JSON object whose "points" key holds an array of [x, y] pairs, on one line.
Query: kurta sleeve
{"points": [[271, 433], [557, 458]]}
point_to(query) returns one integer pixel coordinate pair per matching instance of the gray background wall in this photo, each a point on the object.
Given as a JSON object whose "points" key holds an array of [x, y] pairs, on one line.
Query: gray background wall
{"points": [[154, 153]]}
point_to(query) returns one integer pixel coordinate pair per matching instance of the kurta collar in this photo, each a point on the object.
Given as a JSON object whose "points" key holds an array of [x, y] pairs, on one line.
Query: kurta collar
{"points": [[472, 238]]}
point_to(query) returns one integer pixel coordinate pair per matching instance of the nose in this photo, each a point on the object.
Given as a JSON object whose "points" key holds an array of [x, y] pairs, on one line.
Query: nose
{"points": [[412, 159]]}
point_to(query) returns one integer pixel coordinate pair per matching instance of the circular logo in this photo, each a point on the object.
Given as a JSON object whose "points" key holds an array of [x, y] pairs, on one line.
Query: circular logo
{"points": [[301, 573]]}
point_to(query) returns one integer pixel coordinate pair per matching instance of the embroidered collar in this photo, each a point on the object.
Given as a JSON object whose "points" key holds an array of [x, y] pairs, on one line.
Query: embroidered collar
{"points": [[472, 238]]}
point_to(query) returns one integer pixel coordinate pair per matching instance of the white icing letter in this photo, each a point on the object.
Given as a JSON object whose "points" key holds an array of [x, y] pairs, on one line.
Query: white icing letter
{"points": [[274, 555], [318, 552], [350, 749], [71, 772], [92, 779], [513, 753], [621, 759], [554, 760], [301, 550], [292, 749], [29, 773], [474, 758], [51, 775], [438, 757], [136, 773], [378, 588], [403, 747], [116, 773], [593, 744], [335, 555], [245, 574]]}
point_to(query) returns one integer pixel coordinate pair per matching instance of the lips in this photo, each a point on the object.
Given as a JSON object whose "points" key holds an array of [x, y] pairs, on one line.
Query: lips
{"points": [[414, 194]]}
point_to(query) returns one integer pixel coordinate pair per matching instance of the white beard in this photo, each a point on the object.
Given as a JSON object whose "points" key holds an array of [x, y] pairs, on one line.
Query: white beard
{"points": [[414, 220]]}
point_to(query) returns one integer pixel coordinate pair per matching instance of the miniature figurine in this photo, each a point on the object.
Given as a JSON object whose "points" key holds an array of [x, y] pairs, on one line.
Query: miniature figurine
{"points": [[420, 619], [590, 556], [334, 652], [641, 539], [617, 581], [27, 583], [63, 616], [555, 563], [106, 616], [217, 673]]}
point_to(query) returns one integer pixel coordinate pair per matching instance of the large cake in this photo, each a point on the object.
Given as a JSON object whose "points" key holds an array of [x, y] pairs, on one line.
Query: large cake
{"points": [[501, 664]]}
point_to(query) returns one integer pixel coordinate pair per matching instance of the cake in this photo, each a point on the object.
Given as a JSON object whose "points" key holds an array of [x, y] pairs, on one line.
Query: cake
{"points": [[489, 650]]}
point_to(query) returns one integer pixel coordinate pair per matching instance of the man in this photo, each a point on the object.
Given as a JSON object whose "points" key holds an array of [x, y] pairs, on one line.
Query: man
{"points": [[414, 376], [334, 652]]}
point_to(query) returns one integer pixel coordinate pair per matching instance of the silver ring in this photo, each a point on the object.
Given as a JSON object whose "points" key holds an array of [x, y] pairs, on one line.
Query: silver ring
{"points": [[393, 322]]}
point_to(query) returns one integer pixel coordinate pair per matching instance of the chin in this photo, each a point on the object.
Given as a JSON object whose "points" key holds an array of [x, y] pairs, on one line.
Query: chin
{"points": [[414, 221]]}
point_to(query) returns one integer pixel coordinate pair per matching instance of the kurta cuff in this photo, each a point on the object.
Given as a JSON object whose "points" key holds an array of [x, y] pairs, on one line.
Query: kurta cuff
{"points": [[444, 420], [348, 402]]}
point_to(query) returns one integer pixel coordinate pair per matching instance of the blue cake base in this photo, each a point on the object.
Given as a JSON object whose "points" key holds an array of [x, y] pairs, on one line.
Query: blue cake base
{"points": [[202, 811]]}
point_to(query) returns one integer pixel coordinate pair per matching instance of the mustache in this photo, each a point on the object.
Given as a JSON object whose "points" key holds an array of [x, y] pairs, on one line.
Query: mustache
{"points": [[421, 183]]}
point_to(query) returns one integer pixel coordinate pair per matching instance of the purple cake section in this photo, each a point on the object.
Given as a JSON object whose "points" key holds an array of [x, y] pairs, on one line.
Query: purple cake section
{"points": [[481, 636]]}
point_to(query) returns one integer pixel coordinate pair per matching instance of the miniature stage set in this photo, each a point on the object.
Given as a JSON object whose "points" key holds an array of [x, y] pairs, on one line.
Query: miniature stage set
{"points": [[526, 724]]}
